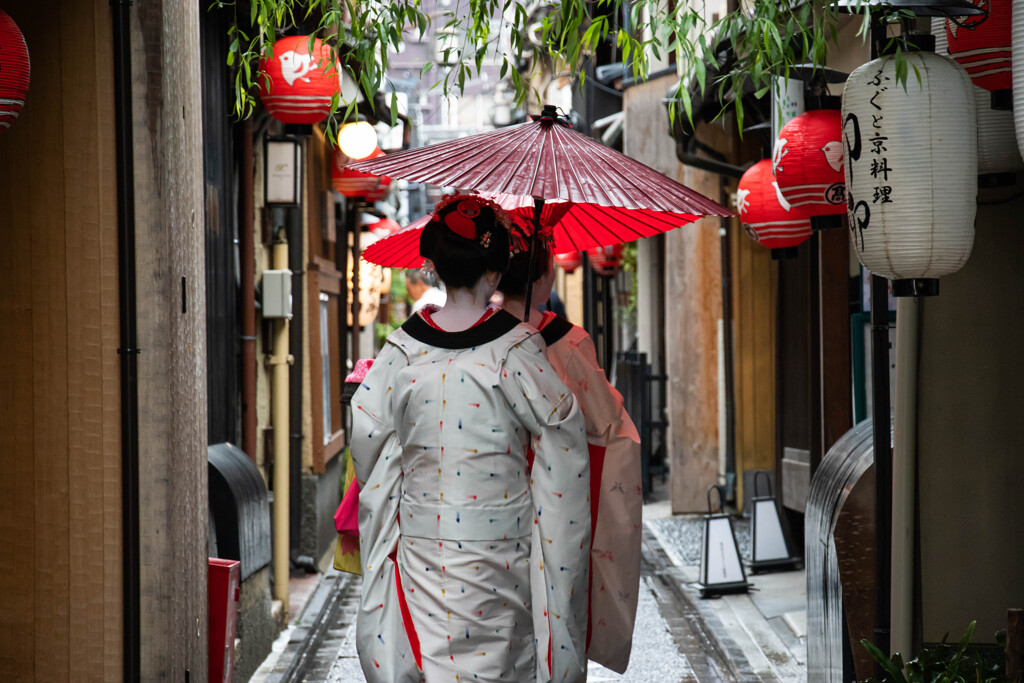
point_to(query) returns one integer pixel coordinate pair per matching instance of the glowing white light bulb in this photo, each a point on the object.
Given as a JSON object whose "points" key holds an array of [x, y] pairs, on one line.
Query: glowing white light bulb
{"points": [[357, 140]]}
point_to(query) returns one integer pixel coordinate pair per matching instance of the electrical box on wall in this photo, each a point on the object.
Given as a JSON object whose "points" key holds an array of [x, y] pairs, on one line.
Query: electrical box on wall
{"points": [[277, 294]]}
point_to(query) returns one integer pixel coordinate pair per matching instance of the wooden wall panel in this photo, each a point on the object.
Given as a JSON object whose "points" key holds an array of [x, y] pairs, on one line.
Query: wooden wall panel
{"points": [[694, 306], [82, 220], [110, 373], [50, 361], [60, 423], [169, 207], [754, 284], [17, 457]]}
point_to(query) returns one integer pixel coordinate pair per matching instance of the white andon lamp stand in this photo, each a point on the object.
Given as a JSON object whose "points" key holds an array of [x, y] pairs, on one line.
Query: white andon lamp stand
{"points": [[768, 549], [911, 168], [721, 571]]}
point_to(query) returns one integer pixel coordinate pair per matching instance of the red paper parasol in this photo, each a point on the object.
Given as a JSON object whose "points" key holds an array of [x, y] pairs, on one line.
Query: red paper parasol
{"points": [[576, 227], [545, 159]]}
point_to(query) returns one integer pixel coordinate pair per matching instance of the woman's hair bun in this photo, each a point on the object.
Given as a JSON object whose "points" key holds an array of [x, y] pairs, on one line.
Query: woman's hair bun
{"points": [[467, 236]]}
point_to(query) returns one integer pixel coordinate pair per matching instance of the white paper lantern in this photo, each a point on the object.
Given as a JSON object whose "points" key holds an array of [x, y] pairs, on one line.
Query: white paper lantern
{"points": [[996, 151], [911, 168], [939, 31]]}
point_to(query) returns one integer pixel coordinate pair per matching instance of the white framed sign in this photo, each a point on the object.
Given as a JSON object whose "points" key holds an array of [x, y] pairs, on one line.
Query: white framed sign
{"points": [[283, 172]]}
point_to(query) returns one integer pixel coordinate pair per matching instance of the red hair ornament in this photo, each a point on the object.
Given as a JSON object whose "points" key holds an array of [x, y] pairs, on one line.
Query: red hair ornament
{"points": [[462, 221]]}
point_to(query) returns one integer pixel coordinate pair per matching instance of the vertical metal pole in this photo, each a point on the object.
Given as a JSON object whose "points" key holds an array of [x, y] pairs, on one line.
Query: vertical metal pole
{"points": [[129, 343], [880, 417], [727, 347], [352, 224], [279, 417], [883, 457], [247, 256], [814, 350]]}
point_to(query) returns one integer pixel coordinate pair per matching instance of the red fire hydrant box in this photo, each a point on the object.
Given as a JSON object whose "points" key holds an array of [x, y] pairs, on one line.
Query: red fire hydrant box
{"points": [[223, 590]]}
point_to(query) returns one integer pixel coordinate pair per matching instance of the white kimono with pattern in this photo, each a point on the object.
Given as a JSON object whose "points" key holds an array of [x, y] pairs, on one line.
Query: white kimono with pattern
{"points": [[441, 427]]}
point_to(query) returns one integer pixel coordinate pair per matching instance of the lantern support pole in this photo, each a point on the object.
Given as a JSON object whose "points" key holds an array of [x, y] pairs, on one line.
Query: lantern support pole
{"points": [[883, 458], [880, 418]]}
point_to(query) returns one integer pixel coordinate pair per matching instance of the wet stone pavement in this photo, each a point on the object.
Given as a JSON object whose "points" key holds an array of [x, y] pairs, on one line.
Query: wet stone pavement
{"points": [[678, 636]]}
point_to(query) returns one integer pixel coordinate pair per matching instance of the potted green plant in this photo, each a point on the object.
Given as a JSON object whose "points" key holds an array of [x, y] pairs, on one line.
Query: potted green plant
{"points": [[942, 663]]}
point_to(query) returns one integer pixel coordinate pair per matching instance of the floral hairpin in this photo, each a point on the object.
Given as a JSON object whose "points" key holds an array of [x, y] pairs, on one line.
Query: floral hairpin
{"points": [[462, 221]]}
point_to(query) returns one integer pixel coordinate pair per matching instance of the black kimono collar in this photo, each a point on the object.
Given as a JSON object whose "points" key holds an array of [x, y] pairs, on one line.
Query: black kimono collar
{"points": [[555, 330], [494, 327]]}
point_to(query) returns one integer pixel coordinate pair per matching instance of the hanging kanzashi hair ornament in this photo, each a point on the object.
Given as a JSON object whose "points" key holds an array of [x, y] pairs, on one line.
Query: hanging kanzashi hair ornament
{"points": [[519, 237], [462, 221]]}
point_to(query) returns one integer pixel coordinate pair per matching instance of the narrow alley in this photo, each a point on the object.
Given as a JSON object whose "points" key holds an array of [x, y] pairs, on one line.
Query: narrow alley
{"points": [[679, 636]]}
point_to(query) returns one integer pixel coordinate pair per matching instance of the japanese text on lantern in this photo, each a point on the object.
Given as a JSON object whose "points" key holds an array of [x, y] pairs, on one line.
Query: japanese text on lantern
{"points": [[880, 170]]}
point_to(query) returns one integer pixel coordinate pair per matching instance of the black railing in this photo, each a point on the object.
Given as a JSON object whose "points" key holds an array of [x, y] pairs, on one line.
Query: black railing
{"points": [[636, 383]]}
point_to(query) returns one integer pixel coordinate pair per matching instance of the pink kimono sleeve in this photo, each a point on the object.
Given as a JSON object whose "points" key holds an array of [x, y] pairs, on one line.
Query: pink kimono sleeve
{"points": [[616, 499]]}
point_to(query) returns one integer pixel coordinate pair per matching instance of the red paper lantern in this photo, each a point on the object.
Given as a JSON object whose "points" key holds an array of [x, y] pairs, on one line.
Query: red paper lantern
{"points": [[606, 260], [982, 44], [14, 70], [355, 183], [301, 83], [808, 163], [569, 262], [767, 217]]}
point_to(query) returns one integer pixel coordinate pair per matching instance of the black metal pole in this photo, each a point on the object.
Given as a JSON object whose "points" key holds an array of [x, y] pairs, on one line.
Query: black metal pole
{"points": [[296, 239], [129, 344], [538, 206], [727, 355], [883, 457], [880, 417]]}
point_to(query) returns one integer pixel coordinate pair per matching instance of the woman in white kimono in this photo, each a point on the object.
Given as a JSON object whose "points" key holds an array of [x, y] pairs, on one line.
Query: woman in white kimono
{"points": [[616, 491], [451, 524]]}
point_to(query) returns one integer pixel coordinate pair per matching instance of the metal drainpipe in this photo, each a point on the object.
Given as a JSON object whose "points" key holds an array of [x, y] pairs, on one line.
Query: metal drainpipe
{"points": [[296, 241], [727, 346], [354, 229], [279, 418], [247, 256], [129, 345], [904, 474]]}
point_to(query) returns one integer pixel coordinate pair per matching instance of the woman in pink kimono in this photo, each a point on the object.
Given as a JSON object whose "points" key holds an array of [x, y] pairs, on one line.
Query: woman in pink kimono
{"points": [[451, 524], [616, 494]]}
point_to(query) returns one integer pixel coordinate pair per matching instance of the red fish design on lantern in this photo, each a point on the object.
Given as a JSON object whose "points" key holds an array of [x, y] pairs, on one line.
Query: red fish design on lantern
{"points": [[811, 179], [767, 217], [300, 83]]}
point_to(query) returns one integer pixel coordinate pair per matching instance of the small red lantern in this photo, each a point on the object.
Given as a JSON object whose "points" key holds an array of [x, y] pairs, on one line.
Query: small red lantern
{"points": [[982, 44], [569, 262], [301, 83], [355, 183], [14, 70], [767, 217], [606, 261], [808, 163]]}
